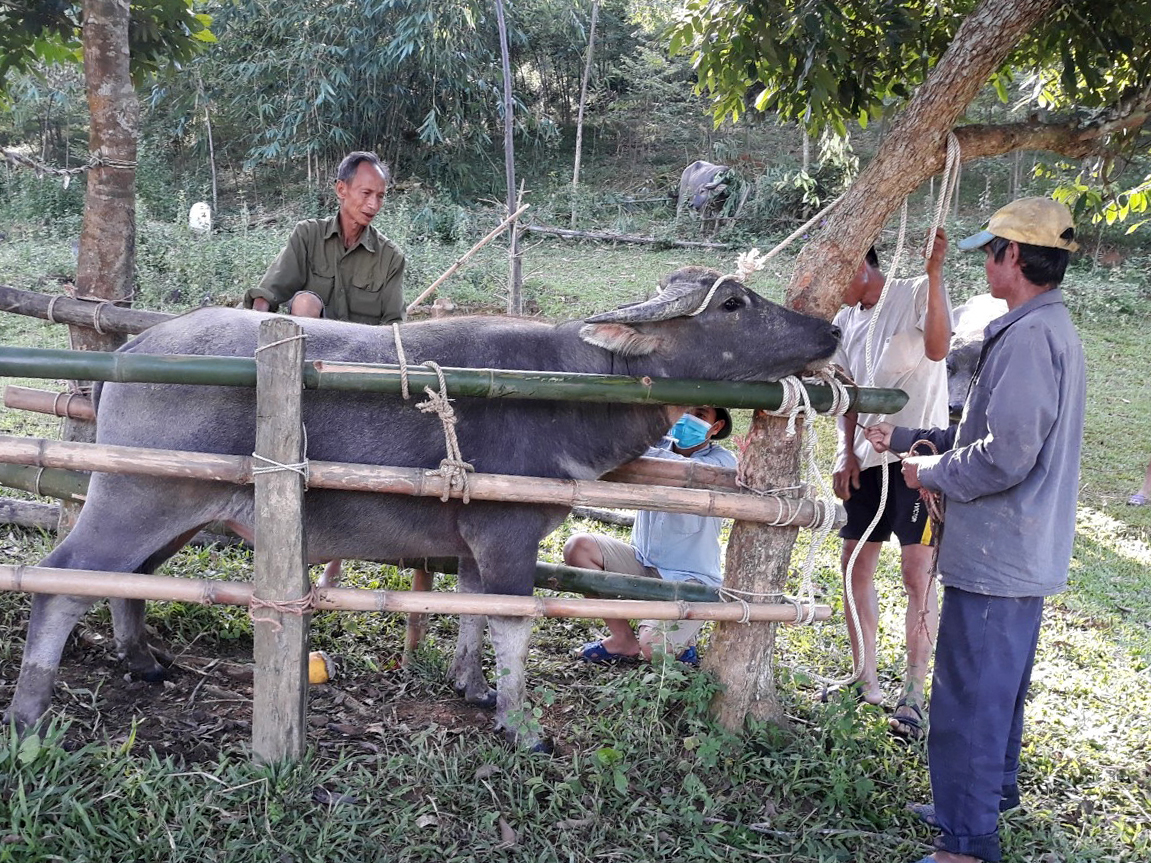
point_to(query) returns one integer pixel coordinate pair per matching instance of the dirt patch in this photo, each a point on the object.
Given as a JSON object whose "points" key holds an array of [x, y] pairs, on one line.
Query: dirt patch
{"points": [[205, 704]]}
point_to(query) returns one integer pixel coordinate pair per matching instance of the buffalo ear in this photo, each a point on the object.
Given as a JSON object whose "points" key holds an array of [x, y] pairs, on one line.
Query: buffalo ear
{"points": [[619, 339]]}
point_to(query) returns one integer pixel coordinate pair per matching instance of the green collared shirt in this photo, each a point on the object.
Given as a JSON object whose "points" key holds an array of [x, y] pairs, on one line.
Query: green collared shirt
{"points": [[363, 284]]}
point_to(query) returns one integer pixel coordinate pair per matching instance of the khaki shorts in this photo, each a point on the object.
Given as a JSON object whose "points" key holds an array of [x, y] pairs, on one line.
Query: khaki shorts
{"points": [[620, 557]]}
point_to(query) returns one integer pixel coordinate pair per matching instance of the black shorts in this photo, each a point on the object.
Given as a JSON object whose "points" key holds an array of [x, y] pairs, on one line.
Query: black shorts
{"points": [[905, 514]]}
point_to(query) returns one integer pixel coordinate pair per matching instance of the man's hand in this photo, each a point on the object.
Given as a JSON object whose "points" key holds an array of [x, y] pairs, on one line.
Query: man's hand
{"points": [[879, 436], [846, 476], [938, 253], [911, 471]]}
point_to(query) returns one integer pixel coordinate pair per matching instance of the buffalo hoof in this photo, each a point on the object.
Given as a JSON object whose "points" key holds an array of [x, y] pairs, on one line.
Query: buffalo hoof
{"points": [[544, 747], [487, 701], [156, 674]]}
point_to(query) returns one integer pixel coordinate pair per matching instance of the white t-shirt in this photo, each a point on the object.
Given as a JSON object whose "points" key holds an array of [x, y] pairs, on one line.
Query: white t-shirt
{"points": [[898, 360]]}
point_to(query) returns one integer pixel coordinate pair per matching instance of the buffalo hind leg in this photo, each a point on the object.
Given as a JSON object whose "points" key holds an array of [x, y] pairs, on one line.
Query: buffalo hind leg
{"points": [[50, 624], [144, 660], [467, 671]]}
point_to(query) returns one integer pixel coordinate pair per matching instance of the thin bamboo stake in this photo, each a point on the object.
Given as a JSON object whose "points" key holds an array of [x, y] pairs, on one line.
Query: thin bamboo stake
{"points": [[158, 588], [422, 580], [448, 272], [73, 405], [604, 236], [385, 378], [416, 482]]}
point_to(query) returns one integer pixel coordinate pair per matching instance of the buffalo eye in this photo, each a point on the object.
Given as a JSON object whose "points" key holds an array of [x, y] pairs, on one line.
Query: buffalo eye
{"points": [[732, 303]]}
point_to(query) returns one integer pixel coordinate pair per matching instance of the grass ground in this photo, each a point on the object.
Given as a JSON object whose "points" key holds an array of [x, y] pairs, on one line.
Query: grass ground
{"points": [[399, 770]]}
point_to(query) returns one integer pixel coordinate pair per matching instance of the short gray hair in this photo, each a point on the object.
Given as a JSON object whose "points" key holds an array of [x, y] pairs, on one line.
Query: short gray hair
{"points": [[352, 162]]}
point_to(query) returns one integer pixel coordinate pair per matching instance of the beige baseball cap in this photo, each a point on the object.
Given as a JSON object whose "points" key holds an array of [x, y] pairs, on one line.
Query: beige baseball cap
{"points": [[1036, 221]]}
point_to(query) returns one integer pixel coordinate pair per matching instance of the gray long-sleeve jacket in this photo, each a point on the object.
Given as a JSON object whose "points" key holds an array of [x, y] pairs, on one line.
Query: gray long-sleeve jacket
{"points": [[1010, 475]]}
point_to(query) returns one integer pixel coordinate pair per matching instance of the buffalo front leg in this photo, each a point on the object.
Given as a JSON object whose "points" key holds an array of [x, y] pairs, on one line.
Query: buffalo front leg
{"points": [[51, 621], [510, 639], [467, 671]]}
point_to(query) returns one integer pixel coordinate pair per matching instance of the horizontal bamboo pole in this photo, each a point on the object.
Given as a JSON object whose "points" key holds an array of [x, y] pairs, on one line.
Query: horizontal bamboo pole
{"points": [[85, 313], [47, 482], [130, 585], [416, 482], [385, 378], [72, 405], [685, 473]]}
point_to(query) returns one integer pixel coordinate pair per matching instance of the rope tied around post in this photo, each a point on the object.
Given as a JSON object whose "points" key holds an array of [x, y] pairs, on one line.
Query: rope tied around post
{"points": [[300, 606]]}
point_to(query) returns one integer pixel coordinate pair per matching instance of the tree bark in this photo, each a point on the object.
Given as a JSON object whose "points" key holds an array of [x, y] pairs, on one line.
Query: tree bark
{"points": [[107, 258], [758, 557]]}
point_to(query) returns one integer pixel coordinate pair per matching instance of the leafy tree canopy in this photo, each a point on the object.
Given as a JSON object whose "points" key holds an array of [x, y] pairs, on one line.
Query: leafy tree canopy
{"points": [[1085, 70], [161, 32]]}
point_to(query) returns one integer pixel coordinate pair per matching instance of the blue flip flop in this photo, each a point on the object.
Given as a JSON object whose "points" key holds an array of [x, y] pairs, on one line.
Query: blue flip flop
{"points": [[594, 651], [689, 656]]}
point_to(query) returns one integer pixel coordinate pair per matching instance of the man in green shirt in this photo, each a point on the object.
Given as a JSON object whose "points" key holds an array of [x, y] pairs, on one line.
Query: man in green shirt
{"points": [[340, 268]]}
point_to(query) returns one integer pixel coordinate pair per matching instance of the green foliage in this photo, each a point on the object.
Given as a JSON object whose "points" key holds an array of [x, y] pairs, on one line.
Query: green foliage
{"points": [[161, 33]]}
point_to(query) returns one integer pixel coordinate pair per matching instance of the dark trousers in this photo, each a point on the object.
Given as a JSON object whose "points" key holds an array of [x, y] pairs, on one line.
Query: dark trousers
{"points": [[983, 659]]}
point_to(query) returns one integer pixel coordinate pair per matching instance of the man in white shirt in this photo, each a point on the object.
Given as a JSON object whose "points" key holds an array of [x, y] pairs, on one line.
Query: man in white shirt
{"points": [[909, 342]]}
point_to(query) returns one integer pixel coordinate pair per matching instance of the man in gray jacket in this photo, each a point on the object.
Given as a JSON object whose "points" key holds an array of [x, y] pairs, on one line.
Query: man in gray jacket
{"points": [[1009, 475]]}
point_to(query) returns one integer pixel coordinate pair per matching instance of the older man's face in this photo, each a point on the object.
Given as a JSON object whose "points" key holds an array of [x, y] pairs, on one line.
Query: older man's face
{"points": [[362, 196]]}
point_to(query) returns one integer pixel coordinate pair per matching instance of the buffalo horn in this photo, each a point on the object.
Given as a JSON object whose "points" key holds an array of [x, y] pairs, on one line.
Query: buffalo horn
{"points": [[673, 302]]}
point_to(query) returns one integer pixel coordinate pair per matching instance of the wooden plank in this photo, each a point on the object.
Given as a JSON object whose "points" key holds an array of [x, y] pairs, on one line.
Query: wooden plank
{"points": [[280, 651]]}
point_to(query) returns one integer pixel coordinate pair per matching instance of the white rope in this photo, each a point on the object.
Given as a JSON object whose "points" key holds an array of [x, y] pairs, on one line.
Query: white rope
{"points": [[297, 337], [750, 261], [402, 360], [453, 469]]}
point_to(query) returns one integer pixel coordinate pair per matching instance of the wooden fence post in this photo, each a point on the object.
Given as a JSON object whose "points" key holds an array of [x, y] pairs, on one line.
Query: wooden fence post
{"points": [[280, 687]]}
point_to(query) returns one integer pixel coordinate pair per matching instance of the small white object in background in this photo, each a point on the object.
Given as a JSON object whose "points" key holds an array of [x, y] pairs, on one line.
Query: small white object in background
{"points": [[200, 218]]}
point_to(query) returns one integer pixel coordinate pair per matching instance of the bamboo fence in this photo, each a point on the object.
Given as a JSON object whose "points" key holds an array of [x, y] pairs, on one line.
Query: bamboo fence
{"points": [[417, 482]]}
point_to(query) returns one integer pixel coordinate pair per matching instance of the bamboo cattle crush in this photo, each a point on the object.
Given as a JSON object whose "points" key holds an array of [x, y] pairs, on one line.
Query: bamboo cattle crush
{"points": [[279, 724]]}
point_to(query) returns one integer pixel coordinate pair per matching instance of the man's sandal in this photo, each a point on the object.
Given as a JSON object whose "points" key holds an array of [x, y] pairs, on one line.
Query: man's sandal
{"points": [[908, 727], [1137, 499], [594, 651]]}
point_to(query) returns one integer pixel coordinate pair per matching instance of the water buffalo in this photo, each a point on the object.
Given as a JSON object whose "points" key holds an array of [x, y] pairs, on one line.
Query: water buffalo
{"points": [[967, 324], [133, 523], [703, 187]]}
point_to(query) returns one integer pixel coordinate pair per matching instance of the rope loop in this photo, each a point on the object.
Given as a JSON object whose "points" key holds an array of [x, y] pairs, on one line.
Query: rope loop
{"points": [[296, 337]]}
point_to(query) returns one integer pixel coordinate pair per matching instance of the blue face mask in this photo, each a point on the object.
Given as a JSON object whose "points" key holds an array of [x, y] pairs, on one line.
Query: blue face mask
{"points": [[689, 431]]}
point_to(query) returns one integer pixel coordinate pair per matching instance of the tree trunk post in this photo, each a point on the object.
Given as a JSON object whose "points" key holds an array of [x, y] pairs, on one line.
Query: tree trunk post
{"points": [[280, 687], [106, 263], [758, 560]]}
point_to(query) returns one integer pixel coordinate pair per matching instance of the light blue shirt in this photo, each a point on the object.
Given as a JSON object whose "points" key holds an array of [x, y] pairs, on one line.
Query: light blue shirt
{"points": [[682, 547]]}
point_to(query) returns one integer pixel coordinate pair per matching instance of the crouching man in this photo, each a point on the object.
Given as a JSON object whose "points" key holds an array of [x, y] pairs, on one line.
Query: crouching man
{"points": [[667, 545], [1009, 476]]}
